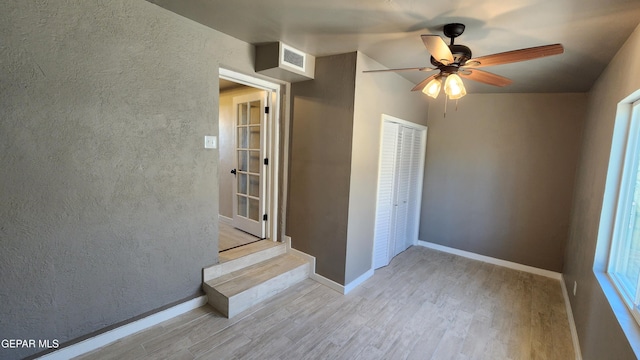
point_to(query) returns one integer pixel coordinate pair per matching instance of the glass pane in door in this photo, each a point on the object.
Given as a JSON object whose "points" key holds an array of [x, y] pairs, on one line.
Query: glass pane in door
{"points": [[254, 212], [254, 185], [242, 184], [254, 136], [255, 114], [243, 137], [242, 206], [243, 118], [254, 162], [243, 160]]}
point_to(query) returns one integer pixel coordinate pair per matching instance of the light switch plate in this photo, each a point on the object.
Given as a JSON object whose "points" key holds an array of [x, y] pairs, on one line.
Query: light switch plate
{"points": [[210, 142]]}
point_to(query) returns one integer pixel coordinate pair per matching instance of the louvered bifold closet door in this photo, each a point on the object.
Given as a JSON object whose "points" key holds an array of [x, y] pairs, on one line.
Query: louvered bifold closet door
{"points": [[402, 191], [384, 206], [414, 185], [399, 183]]}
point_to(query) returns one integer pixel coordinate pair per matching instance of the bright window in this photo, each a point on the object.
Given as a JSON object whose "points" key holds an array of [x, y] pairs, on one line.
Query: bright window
{"points": [[624, 258]]}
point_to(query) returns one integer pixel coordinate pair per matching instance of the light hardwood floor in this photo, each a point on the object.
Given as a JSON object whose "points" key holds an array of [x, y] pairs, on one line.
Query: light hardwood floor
{"points": [[425, 305], [230, 237]]}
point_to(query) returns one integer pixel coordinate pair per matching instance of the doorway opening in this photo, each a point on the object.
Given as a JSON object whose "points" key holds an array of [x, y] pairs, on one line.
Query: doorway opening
{"points": [[248, 163]]}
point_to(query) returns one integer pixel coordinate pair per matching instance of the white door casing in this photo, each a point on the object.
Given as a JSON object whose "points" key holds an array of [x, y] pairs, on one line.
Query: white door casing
{"points": [[272, 134]]}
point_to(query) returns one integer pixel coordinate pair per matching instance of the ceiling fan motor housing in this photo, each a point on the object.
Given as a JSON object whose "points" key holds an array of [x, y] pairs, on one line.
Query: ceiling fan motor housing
{"points": [[460, 54]]}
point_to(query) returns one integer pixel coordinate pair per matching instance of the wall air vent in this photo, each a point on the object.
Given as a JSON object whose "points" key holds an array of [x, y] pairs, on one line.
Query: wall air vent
{"points": [[293, 57], [283, 62]]}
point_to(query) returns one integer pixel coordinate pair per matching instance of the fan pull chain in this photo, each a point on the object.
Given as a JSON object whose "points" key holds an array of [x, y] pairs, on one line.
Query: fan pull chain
{"points": [[446, 99], [445, 106]]}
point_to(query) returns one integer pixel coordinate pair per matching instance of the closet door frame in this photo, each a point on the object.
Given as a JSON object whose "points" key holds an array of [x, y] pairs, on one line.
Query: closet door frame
{"points": [[412, 233]]}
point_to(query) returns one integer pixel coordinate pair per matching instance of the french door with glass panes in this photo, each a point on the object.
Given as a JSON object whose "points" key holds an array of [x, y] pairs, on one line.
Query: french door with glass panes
{"points": [[249, 187]]}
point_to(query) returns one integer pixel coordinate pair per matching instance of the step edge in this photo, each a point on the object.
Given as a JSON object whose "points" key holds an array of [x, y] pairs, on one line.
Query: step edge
{"points": [[262, 283], [260, 244], [288, 267], [218, 301], [221, 269], [243, 270], [296, 278]]}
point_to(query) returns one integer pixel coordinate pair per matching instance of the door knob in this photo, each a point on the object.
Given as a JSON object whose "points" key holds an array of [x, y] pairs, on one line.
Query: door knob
{"points": [[233, 171]]}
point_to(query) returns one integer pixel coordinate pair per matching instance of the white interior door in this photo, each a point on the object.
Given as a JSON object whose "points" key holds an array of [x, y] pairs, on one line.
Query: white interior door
{"points": [[385, 200], [399, 240], [399, 188], [414, 184], [249, 187]]}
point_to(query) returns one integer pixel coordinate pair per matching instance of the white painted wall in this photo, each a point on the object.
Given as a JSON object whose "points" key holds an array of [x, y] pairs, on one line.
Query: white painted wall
{"points": [[375, 94]]}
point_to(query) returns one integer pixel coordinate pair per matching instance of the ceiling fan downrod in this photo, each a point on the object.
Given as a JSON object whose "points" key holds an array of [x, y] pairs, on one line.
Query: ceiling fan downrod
{"points": [[452, 31]]}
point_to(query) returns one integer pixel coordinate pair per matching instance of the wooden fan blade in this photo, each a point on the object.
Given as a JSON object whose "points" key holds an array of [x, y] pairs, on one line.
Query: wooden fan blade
{"points": [[438, 48], [485, 77], [424, 83], [401, 69], [515, 56]]}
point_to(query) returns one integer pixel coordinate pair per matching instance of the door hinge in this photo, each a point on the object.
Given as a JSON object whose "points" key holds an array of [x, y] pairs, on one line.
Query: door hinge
{"points": [[266, 109], [264, 217], [266, 161]]}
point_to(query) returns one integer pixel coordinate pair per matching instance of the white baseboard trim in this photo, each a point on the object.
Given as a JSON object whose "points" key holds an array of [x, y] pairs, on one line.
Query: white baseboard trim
{"points": [[359, 280], [312, 273], [572, 323], [342, 289], [118, 333], [328, 283], [309, 258], [491, 260], [224, 219]]}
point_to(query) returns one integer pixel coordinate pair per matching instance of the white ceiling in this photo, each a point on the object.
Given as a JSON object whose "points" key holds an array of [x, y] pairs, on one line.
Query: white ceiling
{"points": [[389, 31]]}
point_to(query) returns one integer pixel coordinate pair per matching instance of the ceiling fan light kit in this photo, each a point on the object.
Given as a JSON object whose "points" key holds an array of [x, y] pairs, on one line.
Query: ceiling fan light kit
{"points": [[454, 60], [454, 88], [433, 87]]}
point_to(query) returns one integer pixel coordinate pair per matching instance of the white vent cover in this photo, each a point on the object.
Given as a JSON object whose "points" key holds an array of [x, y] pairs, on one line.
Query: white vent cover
{"points": [[293, 57], [283, 62]]}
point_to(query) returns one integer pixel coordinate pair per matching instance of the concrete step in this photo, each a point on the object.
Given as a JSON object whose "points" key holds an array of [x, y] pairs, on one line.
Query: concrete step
{"points": [[239, 290], [244, 256]]}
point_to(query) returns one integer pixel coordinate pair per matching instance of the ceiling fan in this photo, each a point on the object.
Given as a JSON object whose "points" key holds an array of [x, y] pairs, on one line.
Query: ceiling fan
{"points": [[455, 60]]}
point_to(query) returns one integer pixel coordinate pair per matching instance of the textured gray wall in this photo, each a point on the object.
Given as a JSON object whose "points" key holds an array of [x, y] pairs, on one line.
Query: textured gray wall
{"points": [[376, 94], [320, 163], [108, 199], [600, 334], [499, 175]]}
